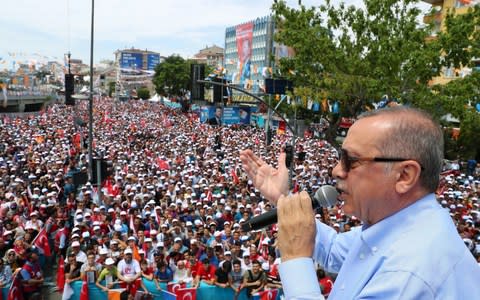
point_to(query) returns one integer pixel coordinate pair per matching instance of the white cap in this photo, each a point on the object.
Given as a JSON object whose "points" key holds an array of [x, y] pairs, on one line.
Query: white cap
{"points": [[103, 251], [109, 261], [228, 253], [75, 244], [85, 234], [128, 251], [177, 239]]}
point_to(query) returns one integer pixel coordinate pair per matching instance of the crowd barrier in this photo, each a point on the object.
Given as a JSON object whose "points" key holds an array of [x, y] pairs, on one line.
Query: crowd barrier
{"points": [[205, 292]]}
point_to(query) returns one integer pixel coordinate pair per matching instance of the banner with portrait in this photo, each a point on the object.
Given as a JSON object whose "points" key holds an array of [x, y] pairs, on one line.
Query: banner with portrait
{"points": [[244, 35]]}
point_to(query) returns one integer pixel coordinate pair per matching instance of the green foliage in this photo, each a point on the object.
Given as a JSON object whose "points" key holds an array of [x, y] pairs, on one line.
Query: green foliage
{"points": [[111, 88], [172, 76], [354, 55], [143, 93]]}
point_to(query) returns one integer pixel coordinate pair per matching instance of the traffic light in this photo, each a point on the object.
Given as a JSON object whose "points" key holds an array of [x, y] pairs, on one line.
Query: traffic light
{"points": [[105, 169]]}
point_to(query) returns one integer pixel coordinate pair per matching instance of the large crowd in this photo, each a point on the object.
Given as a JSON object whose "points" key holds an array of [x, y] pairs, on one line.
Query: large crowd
{"points": [[173, 206]]}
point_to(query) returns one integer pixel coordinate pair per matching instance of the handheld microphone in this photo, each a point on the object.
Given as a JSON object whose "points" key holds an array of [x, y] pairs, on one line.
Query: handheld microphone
{"points": [[325, 196]]}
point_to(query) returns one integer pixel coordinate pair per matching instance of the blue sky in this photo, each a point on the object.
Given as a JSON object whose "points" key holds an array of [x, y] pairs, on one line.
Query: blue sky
{"points": [[38, 31]]}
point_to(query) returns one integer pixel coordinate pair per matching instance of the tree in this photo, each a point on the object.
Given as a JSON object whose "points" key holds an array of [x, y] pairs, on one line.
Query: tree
{"points": [[143, 93], [354, 56], [111, 88], [172, 76], [460, 43]]}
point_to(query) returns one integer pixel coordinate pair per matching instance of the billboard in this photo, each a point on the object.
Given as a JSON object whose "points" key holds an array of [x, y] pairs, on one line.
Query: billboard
{"points": [[236, 115], [207, 113], [131, 60], [153, 60], [244, 35], [215, 115]]}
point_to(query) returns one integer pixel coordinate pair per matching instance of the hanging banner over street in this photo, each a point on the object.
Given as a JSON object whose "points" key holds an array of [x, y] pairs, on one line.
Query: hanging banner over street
{"points": [[244, 33]]}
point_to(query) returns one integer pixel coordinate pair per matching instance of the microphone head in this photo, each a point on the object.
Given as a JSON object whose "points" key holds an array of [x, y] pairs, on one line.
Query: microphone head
{"points": [[326, 196]]}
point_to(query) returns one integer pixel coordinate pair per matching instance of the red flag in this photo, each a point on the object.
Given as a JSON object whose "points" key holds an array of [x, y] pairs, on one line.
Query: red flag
{"points": [[235, 177], [84, 291], [162, 164], [268, 295], [172, 287], [15, 292], [61, 274], [186, 294], [41, 241]]}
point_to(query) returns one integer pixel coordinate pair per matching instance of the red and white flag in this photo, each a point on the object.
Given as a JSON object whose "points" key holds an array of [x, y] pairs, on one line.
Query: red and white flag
{"points": [[61, 274], [172, 287], [84, 291], [41, 242], [186, 294], [15, 291]]}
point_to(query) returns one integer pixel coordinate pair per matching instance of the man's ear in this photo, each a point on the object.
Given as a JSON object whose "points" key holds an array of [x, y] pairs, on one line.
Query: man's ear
{"points": [[408, 176]]}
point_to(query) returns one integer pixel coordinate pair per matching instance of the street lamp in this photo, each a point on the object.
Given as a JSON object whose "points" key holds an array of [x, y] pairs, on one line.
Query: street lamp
{"points": [[90, 102]]}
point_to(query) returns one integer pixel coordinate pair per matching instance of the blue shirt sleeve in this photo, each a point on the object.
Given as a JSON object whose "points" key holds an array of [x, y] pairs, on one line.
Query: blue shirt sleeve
{"points": [[25, 275], [331, 248], [294, 288]]}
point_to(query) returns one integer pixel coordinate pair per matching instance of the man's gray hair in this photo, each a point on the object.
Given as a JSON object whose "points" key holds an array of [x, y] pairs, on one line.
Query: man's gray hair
{"points": [[414, 135]]}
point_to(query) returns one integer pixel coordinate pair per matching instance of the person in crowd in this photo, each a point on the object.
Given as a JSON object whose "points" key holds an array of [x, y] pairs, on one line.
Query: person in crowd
{"points": [[205, 274], [32, 277], [235, 278], [326, 283], [387, 174], [254, 280], [221, 275], [5, 274], [182, 274], [91, 269], [163, 274], [72, 268], [128, 272], [109, 275]]}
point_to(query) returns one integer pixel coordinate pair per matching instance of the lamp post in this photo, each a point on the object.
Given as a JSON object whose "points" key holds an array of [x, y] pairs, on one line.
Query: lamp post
{"points": [[90, 101]]}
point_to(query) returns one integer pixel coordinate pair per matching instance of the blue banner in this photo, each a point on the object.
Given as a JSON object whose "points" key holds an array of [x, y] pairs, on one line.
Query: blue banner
{"points": [[206, 113], [130, 60], [152, 61], [236, 115], [204, 291]]}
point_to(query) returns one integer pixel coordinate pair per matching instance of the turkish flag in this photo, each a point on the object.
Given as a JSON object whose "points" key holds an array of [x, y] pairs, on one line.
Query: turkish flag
{"points": [[186, 294], [61, 274], [15, 292], [162, 164], [172, 287], [41, 241], [235, 177], [84, 291], [268, 295]]}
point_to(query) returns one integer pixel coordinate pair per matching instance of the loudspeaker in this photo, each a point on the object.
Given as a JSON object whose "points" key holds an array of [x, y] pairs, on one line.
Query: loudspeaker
{"points": [[197, 72], [217, 90], [69, 89], [278, 86]]}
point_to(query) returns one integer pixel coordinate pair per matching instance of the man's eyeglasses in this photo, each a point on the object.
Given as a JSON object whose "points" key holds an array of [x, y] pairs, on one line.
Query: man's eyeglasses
{"points": [[346, 160]]}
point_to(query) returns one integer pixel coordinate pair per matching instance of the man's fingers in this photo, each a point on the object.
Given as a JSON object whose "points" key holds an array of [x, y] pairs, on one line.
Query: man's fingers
{"points": [[281, 161]]}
